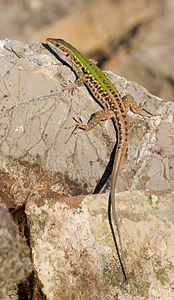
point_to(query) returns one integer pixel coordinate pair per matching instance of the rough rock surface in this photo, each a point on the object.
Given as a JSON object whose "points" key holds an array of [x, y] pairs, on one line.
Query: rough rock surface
{"points": [[74, 255], [15, 262]]}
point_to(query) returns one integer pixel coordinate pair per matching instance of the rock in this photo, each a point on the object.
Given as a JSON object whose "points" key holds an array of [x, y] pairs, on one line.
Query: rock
{"points": [[19, 181], [15, 262], [74, 255]]}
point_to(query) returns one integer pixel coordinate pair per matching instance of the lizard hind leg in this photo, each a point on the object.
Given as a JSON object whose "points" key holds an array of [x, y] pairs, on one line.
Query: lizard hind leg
{"points": [[95, 119], [80, 125], [129, 102]]}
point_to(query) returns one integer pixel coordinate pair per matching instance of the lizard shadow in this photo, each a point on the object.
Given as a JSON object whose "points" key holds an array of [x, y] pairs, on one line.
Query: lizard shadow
{"points": [[57, 56]]}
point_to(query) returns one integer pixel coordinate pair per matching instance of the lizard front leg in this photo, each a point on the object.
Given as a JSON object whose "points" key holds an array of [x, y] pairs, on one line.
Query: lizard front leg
{"points": [[72, 86]]}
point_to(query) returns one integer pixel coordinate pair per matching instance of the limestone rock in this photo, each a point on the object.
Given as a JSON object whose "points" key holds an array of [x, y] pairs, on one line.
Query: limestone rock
{"points": [[74, 254]]}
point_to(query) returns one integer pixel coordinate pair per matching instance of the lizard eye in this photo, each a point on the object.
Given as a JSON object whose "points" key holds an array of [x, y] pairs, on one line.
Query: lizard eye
{"points": [[84, 70], [67, 54]]}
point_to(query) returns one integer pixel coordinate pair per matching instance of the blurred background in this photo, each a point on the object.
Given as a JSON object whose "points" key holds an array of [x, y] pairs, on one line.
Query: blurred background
{"points": [[132, 38]]}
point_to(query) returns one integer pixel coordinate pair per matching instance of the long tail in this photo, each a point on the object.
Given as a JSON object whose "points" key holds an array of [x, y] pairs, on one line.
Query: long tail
{"points": [[120, 154]]}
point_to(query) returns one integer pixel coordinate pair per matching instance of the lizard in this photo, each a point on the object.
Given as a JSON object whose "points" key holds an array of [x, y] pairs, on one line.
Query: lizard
{"points": [[114, 107]]}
